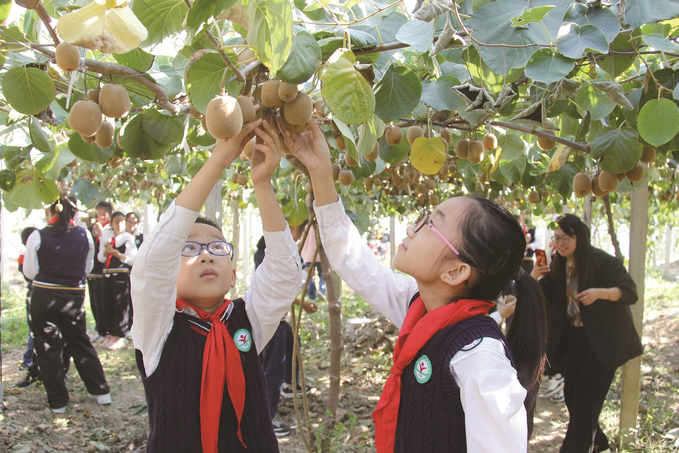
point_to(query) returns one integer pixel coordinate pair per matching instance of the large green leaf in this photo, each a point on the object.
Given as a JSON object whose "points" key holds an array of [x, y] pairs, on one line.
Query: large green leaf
{"points": [[28, 90], [5, 8], [138, 144], [304, 58], [512, 145], [602, 18], [364, 169], [392, 154], [563, 178], [271, 31], [38, 136], [197, 135], [659, 42], [162, 18], [64, 156], [202, 10], [640, 12], [417, 34], [438, 94], [593, 101], [32, 190], [89, 151], [136, 59], [575, 41], [345, 91], [11, 36], [617, 64], [428, 155], [162, 128], [532, 15], [206, 78], [547, 67], [658, 121], [618, 148], [513, 169], [368, 133], [84, 190], [397, 93]]}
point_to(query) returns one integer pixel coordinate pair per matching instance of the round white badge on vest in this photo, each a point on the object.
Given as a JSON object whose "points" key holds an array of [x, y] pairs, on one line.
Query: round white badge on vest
{"points": [[423, 369], [471, 345], [243, 340]]}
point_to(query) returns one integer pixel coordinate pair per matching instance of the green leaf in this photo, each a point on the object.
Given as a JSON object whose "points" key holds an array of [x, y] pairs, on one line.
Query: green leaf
{"points": [[392, 154], [174, 86], [32, 190], [532, 15], [136, 59], [63, 157], [575, 41], [202, 10], [84, 190], [614, 92], [5, 8], [7, 180], [89, 151], [593, 101], [304, 58], [547, 67], [162, 18], [428, 155], [675, 93], [368, 133], [659, 42], [14, 156], [417, 34], [28, 90], [602, 18], [617, 64], [513, 169], [438, 95], [364, 169], [640, 12], [162, 128], [38, 136], [512, 145], [658, 121], [271, 31], [138, 144], [13, 35], [205, 79], [295, 212], [397, 93], [197, 135], [563, 178], [345, 91], [618, 148]]}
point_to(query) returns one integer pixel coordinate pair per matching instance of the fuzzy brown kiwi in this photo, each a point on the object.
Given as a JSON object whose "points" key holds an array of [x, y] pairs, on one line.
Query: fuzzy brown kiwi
{"points": [[223, 117], [93, 95], [248, 149], [87, 139], [476, 151], [608, 182], [636, 174], [247, 109], [597, 191], [421, 188], [350, 161], [445, 134], [194, 112], [85, 118], [299, 110], [114, 100], [119, 140], [340, 142], [335, 171], [67, 56], [242, 179], [415, 176], [398, 181], [394, 135], [490, 141], [346, 177], [263, 112], [245, 56], [582, 184], [287, 91], [545, 143], [368, 183], [292, 128], [414, 132], [257, 94], [462, 148], [433, 199], [270, 94], [621, 176], [234, 178], [534, 197], [647, 155], [374, 154], [104, 136], [203, 123]]}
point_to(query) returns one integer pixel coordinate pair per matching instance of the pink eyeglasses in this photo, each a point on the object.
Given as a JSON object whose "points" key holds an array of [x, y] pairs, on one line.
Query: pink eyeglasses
{"points": [[423, 220]]}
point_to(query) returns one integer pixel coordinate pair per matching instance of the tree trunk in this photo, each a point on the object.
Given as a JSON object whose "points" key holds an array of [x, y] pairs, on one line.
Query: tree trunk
{"points": [[611, 228]]}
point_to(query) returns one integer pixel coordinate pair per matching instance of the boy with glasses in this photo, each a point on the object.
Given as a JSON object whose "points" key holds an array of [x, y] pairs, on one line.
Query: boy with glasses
{"points": [[196, 350]]}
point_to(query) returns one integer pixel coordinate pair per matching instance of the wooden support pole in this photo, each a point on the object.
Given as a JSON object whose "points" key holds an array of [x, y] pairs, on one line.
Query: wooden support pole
{"points": [[668, 251], [213, 204], [631, 371], [587, 210]]}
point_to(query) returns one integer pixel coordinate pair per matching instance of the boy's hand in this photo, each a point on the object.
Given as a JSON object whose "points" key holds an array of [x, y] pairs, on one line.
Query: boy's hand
{"points": [[267, 154], [309, 147], [228, 150]]}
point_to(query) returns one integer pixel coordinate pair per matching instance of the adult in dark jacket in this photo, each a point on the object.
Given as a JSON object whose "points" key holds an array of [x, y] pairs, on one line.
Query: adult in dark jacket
{"points": [[591, 331]]}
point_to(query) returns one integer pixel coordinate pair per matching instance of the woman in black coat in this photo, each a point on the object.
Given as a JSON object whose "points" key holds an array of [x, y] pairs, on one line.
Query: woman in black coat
{"points": [[591, 331]]}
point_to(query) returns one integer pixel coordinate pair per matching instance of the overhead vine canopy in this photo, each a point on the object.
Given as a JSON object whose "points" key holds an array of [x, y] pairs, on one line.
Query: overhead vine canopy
{"points": [[595, 81]]}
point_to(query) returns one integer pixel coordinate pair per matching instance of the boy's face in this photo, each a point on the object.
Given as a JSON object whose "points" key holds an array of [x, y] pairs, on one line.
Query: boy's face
{"points": [[103, 216], [205, 279], [118, 224], [131, 223]]}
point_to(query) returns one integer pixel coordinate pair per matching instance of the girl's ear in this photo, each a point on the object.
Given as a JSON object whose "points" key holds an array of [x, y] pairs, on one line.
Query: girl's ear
{"points": [[233, 278], [457, 274]]}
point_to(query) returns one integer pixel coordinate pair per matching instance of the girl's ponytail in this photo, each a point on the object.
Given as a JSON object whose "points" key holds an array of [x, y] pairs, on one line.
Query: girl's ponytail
{"points": [[66, 209]]}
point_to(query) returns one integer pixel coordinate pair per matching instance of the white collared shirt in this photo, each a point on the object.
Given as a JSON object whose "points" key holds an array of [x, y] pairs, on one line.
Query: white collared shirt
{"points": [[123, 238]]}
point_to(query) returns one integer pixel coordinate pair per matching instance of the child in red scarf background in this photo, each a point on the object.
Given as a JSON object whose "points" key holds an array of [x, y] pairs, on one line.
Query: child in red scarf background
{"points": [[197, 352], [456, 385]]}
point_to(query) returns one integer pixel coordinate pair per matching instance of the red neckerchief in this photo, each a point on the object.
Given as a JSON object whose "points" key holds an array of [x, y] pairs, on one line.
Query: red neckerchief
{"points": [[21, 259], [55, 219], [416, 331], [221, 362], [113, 244]]}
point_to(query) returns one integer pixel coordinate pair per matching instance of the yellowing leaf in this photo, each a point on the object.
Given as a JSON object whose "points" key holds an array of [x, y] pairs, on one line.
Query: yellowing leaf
{"points": [[109, 30], [496, 160], [428, 155], [559, 158]]}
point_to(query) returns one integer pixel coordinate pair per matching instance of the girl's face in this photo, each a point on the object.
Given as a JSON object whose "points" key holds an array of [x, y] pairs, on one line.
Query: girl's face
{"points": [[565, 244], [118, 224], [103, 216], [131, 223]]}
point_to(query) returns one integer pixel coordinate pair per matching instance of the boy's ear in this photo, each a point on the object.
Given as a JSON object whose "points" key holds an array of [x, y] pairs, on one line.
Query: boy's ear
{"points": [[457, 274], [233, 278]]}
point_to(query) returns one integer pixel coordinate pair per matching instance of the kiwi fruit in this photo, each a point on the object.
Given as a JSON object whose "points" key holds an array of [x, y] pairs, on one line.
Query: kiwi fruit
{"points": [[223, 117], [290, 127], [335, 171], [597, 191], [377, 182], [636, 174], [374, 154], [490, 141], [93, 95], [234, 178], [398, 181], [545, 143], [270, 96], [433, 199], [257, 94], [368, 183], [534, 197], [85, 118], [647, 155], [462, 149], [621, 176], [299, 110], [476, 151], [430, 184], [246, 108], [194, 112], [582, 184], [483, 177], [203, 122], [243, 157], [248, 149], [421, 188], [346, 177], [445, 134], [114, 100], [104, 136], [287, 91], [67, 56], [242, 179], [318, 106], [394, 135], [87, 139], [263, 112], [119, 141], [608, 182], [340, 142], [350, 161], [246, 55], [414, 132]]}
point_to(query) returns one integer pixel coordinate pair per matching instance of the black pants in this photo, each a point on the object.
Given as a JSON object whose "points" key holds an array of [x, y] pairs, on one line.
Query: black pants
{"points": [[94, 287], [57, 319], [586, 384], [116, 303]]}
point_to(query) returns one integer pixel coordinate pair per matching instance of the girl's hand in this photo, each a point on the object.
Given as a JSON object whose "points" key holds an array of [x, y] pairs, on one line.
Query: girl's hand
{"points": [[228, 150], [588, 296], [267, 154], [539, 271], [309, 147], [507, 306]]}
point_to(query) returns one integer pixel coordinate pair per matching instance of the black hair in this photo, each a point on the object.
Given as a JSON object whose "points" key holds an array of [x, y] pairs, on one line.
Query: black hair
{"points": [[25, 233], [106, 205], [493, 243], [206, 221], [116, 214], [582, 262], [66, 211], [261, 244], [127, 216]]}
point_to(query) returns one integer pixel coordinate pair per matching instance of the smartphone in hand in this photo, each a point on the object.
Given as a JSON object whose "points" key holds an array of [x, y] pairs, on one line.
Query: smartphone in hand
{"points": [[540, 257]]}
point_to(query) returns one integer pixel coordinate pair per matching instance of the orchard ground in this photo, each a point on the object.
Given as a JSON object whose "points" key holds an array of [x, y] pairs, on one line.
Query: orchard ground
{"points": [[27, 425]]}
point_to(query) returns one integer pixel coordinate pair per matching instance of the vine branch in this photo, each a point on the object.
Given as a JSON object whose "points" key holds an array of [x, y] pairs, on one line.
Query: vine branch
{"points": [[42, 13]]}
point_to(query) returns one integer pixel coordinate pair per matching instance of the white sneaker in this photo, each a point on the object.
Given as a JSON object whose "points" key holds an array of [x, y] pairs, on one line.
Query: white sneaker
{"points": [[58, 410], [117, 344], [554, 385], [102, 399], [558, 397]]}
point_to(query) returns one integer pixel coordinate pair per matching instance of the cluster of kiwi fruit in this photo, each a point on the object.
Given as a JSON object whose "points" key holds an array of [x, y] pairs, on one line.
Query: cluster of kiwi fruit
{"points": [[295, 108], [88, 117], [239, 178], [475, 150], [225, 116]]}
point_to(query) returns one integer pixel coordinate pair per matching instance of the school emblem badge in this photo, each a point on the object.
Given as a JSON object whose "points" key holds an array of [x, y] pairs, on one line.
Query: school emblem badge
{"points": [[243, 340], [423, 369]]}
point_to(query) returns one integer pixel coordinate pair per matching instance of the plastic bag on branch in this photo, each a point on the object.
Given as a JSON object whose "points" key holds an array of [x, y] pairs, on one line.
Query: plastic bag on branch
{"points": [[566, 89], [448, 39], [535, 115], [506, 95], [429, 11], [478, 100]]}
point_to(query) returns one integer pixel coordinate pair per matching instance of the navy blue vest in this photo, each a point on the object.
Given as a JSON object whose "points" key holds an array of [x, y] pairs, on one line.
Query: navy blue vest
{"points": [[98, 265], [63, 259], [430, 416], [115, 265], [173, 393]]}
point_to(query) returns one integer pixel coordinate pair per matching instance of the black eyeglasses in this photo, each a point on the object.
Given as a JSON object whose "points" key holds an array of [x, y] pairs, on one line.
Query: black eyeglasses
{"points": [[216, 248]]}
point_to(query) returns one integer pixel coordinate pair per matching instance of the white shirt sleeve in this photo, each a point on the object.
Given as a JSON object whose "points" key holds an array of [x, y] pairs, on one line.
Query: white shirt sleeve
{"points": [[274, 286], [31, 265], [492, 398], [497, 317], [357, 265], [154, 283], [104, 238], [130, 250], [89, 264]]}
